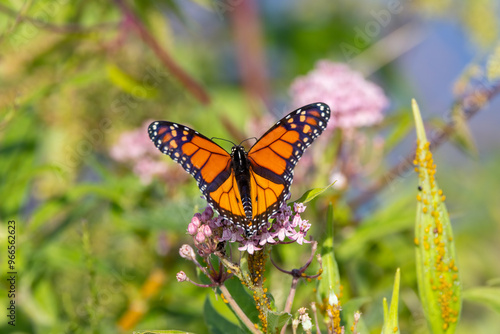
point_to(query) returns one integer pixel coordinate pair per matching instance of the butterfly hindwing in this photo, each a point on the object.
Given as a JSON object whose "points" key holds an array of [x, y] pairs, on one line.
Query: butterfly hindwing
{"points": [[274, 156], [226, 199]]}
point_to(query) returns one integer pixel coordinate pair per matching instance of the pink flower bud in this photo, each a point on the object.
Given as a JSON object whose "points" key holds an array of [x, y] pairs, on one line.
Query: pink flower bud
{"points": [[181, 276], [207, 231], [196, 220], [192, 229], [187, 252], [200, 237]]}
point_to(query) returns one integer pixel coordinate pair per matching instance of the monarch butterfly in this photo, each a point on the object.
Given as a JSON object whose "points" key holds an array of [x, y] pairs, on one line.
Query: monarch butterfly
{"points": [[244, 187]]}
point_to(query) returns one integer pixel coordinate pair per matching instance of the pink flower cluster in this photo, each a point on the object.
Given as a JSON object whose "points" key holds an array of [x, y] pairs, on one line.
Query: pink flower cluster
{"points": [[354, 101], [208, 231], [135, 147]]}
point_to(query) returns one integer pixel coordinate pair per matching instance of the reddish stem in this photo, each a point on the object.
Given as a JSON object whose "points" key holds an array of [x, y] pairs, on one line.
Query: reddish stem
{"points": [[476, 101], [250, 50], [186, 80]]}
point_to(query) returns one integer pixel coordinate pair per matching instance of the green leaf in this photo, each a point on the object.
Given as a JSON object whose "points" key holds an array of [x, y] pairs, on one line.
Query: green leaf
{"points": [[45, 307], [403, 123], [19, 141], [489, 296], [243, 299], [130, 85], [168, 331], [46, 211], [350, 307], [77, 211], [331, 277], [461, 136], [386, 311], [311, 194], [388, 220], [391, 325], [216, 323], [276, 321], [101, 191]]}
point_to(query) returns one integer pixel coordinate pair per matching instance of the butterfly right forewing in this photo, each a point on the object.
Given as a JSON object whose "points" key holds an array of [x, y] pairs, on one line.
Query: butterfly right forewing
{"points": [[274, 156]]}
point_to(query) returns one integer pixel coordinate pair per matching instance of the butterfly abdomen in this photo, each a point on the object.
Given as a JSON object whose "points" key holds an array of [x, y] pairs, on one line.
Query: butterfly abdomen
{"points": [[241, 168]]}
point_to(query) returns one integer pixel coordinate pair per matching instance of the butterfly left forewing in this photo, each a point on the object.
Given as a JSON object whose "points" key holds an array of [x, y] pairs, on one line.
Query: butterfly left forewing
{"points": [[206, 161]]}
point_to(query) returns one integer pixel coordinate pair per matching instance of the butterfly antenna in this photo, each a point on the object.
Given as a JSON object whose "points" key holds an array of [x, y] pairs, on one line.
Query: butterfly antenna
{"points": [[223, 140], [248, 139]]}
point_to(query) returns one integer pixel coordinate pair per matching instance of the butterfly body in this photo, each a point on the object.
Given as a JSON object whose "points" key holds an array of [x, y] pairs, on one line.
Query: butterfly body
{"points": [[244, 187], [241, 168]]}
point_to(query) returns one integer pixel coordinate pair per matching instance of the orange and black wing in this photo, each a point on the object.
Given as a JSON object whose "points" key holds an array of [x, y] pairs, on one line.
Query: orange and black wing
{"points": [[274, 156], [206, 161]]}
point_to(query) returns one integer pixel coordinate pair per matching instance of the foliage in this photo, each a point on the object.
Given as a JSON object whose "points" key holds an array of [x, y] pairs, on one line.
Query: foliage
{"points": [[97, 237]]}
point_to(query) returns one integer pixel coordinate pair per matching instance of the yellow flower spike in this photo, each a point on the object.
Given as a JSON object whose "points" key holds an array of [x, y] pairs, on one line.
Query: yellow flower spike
{"points": [[438, 283]]}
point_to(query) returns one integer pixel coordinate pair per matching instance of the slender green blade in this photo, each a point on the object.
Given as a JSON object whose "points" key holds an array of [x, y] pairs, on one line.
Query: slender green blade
{"points": [[486, 295], [391, 325]]}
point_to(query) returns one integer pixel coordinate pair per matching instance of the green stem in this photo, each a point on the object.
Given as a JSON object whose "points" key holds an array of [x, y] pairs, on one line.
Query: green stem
{"points": [[239, 312]]}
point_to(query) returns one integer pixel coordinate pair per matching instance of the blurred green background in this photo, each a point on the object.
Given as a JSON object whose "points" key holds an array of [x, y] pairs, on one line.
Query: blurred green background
{"points": [[97, 238]]}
